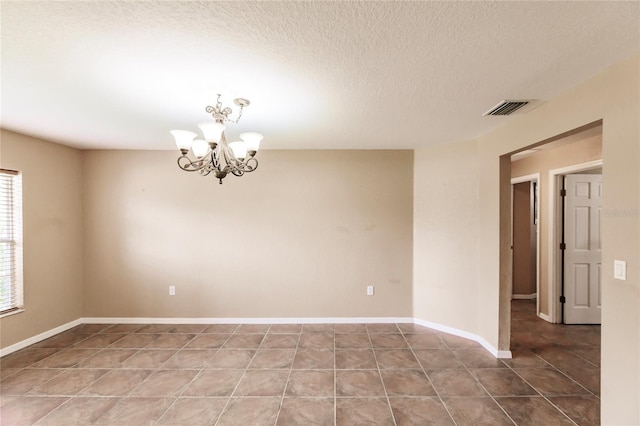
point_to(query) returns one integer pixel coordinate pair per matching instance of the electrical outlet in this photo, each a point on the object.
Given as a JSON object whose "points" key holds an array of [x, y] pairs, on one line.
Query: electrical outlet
{"points": [[172, 290], [369, 290]]}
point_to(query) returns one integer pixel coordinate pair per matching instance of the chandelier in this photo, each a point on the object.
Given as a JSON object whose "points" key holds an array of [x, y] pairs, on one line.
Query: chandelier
{"points": [[213, 154]]}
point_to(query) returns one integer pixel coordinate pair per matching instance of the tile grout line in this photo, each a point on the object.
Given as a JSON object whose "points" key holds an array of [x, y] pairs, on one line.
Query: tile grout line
{"points": [[100, 350], [224, 409], [483, 386], [571, 378], [52, 410], [123, 397], [539, 392], [70, 368], [427, 376], [185, 387], [550, 365], [384, 387], [75, 367], [583, 358], [63, 370], [286, 383], [554, 367]]}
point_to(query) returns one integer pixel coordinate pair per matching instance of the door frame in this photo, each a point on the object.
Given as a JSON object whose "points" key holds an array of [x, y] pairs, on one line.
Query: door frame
{"points": [[555, 234], [534, 177]]}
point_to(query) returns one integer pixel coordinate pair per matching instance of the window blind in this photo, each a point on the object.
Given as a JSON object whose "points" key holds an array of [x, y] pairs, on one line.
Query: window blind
{"points": [[10, 241]]}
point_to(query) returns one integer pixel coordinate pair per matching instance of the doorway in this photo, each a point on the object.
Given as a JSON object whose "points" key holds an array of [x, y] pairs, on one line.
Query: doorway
{"points": [[548, 162], [525, 238]]}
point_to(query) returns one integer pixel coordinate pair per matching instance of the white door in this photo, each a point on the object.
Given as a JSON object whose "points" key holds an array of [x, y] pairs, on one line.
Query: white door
{"points": [[582, 256]]}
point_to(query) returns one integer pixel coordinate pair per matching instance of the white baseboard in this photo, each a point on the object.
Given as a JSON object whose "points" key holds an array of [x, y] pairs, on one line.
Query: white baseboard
{"points": [[545, 317], [524, 296], [39, 337], [333, 320], [461, 333], [304, 320]]}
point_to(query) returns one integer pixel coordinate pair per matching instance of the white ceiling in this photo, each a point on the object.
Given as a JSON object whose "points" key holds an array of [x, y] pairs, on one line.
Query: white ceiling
{"points": [[319, 74]]}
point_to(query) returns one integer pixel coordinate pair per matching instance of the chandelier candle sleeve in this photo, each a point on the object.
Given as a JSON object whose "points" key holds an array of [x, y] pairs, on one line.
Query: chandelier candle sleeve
{"points": [[252, 140], [212, 131], [184, 139], [212, 153], [239, 149], [200, 148]]}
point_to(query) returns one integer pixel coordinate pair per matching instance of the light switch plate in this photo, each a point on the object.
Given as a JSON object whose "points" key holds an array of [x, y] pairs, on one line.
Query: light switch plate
{"points": [[620, 270]]}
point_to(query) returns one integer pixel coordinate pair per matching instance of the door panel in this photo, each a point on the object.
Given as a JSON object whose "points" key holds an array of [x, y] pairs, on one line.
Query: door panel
{"points": [[583, 204], [579, 283]]}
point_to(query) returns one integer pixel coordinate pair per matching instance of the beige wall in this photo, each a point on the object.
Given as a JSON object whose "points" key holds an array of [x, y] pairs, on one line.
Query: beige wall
{"points": [[614, 98], [52, 231], [582, 148], [445, 233], [301, 237]]}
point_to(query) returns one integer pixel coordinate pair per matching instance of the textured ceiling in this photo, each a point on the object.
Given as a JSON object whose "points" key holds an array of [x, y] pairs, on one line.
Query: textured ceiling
{"points": [[319, 74]]}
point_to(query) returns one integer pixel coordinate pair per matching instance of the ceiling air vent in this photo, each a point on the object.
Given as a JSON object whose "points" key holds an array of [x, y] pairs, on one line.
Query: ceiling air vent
{"points": [[506, 108]]}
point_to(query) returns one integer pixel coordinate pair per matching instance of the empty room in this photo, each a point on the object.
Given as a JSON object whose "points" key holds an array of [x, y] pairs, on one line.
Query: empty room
{"points": [[319, 213]]}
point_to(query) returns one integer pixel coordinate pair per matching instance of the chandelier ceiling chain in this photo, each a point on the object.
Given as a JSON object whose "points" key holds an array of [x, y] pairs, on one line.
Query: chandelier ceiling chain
{"points": [[213, 154]]}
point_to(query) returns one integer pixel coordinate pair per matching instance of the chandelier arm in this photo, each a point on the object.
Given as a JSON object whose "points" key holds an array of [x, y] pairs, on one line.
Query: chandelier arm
{"points": [[188, 165], [228, 156], [247, 166], [249, 163], [214, 162]]}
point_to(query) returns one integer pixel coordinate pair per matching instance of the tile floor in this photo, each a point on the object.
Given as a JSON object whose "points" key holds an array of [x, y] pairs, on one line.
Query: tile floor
{"points": [[322, 374]]}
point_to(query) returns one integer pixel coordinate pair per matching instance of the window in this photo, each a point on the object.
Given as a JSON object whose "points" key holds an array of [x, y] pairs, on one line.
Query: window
{"points": [[10, 242]]}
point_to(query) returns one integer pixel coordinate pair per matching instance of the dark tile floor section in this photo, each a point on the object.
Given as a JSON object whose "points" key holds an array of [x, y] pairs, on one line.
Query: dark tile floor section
{"points": [[317, 374]]}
